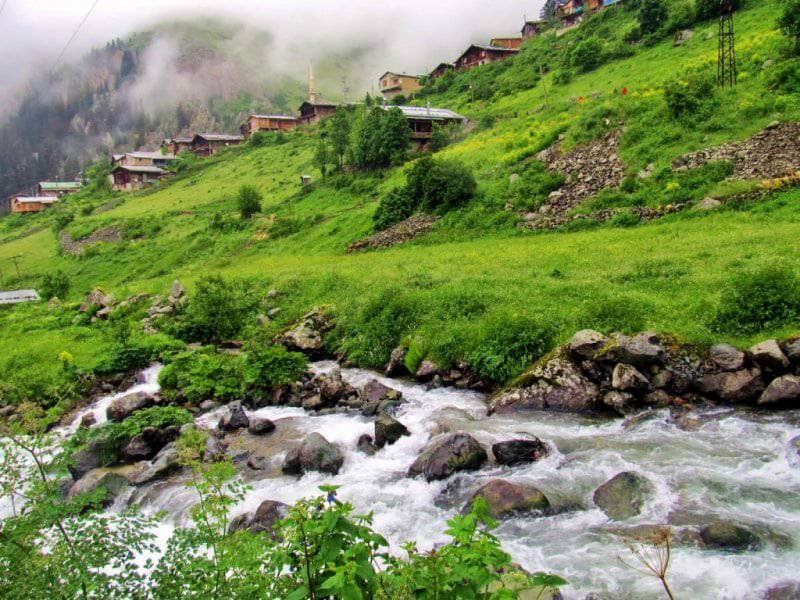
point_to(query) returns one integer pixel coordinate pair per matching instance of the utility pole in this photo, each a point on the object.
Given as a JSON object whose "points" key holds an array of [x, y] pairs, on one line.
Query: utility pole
{"points": [[726, 56]]}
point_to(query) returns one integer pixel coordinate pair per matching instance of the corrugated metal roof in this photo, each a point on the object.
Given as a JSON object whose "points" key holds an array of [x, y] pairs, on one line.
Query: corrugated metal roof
{"points": [[152, 155], [59, 185], [135, 169], [423, 112], [34, 199], [220, 137], [17, 296], [275, 117]]}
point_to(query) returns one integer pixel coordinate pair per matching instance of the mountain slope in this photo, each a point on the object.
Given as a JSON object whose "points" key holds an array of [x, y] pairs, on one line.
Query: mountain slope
{"points": [[478, 280]]}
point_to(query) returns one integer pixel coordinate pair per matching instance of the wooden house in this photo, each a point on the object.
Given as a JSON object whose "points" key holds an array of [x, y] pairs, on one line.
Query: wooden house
{"points": [[476, 56], [57, 188], [208, 144], [257, 123], [512, 43], [440, 70], [533, 28], [422, 121], [314, 112], [395, 84], [572, 12], [129, 178], [176, 145], [31, 204]]}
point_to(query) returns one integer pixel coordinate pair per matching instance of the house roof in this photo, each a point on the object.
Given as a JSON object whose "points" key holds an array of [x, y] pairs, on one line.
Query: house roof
{"points": [[135, 169], [152, 155], [35, 199], [428, 114], [491, 48], [323, 104], [179, 140], [274, 117], [218, 137], [59, 185], [17, 296], [116, 157], [398, 75], [443, 66]]}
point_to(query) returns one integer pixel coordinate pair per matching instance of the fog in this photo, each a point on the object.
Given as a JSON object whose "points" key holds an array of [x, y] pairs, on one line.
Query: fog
{"points": [[410, 36]]}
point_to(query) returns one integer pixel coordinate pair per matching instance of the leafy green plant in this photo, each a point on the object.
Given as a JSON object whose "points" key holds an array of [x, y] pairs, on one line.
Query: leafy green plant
{"points": [[249, 201], [689, 96], [268, 367], [759, 300], [394, 207], [652, 15], [203, 375], [789, 22], [55, 284], [587, 55]]}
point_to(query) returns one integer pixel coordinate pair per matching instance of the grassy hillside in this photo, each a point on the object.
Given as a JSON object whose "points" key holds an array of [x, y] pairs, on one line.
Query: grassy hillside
{"points": [[478, 284]]}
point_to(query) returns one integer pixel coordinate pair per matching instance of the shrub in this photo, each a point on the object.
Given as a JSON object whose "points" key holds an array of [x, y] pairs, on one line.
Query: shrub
{"points": [[768, 298], [216, 312], [509, 344], [785, 77], [789, 22], [271, 366], [135, 353], [616, 313], [681, 15], [652, 15], [55, 284], [202, 375], [587, 55], [394, 207], [248, 201], [440, 185], [709, 9], [690, 96]]}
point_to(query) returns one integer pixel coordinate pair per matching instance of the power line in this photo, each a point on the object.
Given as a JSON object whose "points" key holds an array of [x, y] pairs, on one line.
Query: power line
{"points": [[77, 30]]}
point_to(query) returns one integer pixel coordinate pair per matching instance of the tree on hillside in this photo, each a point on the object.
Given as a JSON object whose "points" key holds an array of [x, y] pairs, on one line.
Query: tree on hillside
{"points": [[322, 156], [249, 201], [379, 138], [339, 133], [652, 15], [789, 22], [709, 9], [395, 136]]}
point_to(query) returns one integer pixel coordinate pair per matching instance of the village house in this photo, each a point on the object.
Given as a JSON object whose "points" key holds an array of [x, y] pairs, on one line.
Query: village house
{"points": [[257, 123], [512, 43], [422, 121], [146, 159], [208, 144], [31, 204], [176, 145], [572, 12], [57, 188], [313, 112], [533, 28], [129, 178], [394, 84], [440, 70], [476, 56]]}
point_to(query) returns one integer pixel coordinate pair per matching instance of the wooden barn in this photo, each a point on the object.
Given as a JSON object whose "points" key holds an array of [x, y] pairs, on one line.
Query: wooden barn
{"points": [[177, 145], [32, 204], [512, 43], [533, 28], [57, 188], [314, 112], [257, 123], [394, 84], [476, 56], [129, 178], [440, 70], [208, 144], [422, 121]]}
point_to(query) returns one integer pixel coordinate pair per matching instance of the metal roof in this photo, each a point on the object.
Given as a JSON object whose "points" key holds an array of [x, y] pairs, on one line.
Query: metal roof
{"points": [[493, 48], [136, 169], [35, 199], [219, 137], [182, 140], [59, 185], [152, 155], [425, 113], [17, 296], [276, 117], [399, 75]]}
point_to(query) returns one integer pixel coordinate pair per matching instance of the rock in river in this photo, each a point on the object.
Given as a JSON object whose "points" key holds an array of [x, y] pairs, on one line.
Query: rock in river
{"points": [[623, 496], [516, 452], [783, 392], [456, 452], [314, 454], [122, 408], [505, 498], [388, 430], [234, 419], [730, 537]]}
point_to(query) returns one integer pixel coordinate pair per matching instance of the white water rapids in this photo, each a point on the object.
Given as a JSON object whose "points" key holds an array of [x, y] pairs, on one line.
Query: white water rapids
{"points": [[733, 465]]}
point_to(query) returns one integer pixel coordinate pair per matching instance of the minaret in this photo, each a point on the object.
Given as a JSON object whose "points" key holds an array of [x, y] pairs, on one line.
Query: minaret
{"points": [[312, 85]]}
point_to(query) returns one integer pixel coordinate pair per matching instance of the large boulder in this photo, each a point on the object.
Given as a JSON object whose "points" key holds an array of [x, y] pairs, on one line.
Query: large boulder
{"points": [[623, 496], [307, 334], [388, 430], [516, 452], [234, 419], [89, 457], [737, 387], [97, 298], [122, 408], [427, 370], [628, 378], [314, 454], [792, 350], [554, 385], [331, 388], [504, 499], [620, 402], [642, 350], [260, 426], [585, 344], [266, 516], [377, 397], [165, 463], [111, 483], [366, 445], [149, 442], [782, 392], [769, 356], [729, 537], [727, 357], [397, 365], [442, 458]]}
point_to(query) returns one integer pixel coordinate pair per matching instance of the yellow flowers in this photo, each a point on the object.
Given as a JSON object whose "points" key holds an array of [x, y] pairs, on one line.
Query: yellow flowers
{"points": [[779, 183]]}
